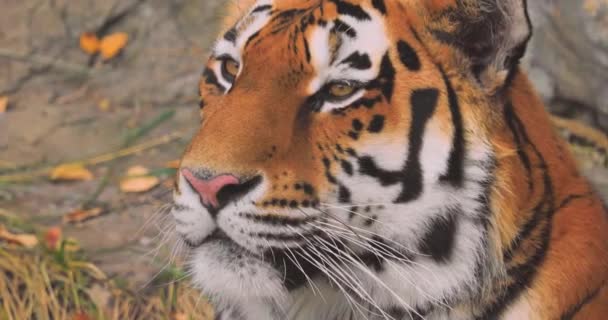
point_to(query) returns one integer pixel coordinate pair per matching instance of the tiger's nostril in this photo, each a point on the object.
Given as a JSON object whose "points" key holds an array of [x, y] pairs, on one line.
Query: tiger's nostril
{"points": [[216, 192]]}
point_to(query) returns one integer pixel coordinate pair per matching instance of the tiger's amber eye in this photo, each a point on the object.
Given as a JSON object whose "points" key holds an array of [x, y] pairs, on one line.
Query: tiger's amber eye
{"points": [[230, 69], [341, 90]]}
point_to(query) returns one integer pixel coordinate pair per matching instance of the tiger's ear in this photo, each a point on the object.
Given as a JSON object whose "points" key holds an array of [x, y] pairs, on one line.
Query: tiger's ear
{"points": [[492, 35]]}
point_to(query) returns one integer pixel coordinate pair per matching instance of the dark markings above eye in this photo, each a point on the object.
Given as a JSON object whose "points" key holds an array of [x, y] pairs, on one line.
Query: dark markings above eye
{"points": [[358, 61], [262, 8], [379, 5], [408, 56], [342, 27], [352, 10], [231, 35], [211, 79]]}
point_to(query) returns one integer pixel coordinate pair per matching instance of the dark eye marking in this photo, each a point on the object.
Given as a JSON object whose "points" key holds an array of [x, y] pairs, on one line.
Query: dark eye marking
{"points": [[377, 124], [201, 103], [211, 79], [408, 56], [231, 35], [379, 5], [262, 8], [342, 27], [352, 10], [358, 61]]}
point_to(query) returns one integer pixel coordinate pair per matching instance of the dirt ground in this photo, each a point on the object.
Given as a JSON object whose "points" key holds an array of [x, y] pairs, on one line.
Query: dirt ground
{"points": [[55, 91], [65, 105]]}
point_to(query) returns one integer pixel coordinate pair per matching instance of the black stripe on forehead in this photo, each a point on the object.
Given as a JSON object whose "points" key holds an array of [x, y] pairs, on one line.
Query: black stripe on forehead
{"points": [[352, 10], [358, 61], [342, 27]]}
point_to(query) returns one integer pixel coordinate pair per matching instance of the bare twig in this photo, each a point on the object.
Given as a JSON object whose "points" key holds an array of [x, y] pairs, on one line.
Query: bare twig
{"points": [[28, 176], [46, 61]]}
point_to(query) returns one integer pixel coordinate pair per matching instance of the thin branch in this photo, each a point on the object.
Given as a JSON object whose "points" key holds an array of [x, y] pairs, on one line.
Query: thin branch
{"points": [[28, 176]]}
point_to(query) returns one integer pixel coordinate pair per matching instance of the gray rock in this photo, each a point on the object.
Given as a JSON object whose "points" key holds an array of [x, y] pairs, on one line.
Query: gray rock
{"points": [[568, 57]]}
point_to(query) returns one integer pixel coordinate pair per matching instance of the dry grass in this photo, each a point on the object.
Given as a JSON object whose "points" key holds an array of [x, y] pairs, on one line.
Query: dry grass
{"points": [[53, 285]]}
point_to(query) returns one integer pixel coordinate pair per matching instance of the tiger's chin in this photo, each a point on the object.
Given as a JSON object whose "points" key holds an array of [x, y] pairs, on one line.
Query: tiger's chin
{"points": [[234, 279]]}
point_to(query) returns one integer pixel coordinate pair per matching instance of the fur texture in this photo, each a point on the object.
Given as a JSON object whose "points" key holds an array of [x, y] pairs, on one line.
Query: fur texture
{"points": [[437, 189]]}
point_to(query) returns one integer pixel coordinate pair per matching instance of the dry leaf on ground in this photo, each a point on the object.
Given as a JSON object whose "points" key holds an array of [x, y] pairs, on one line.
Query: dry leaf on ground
{"points": [[52, 237], [89, 43], [104, 105], [72, 172], [179, 316], [137, 171], [112, 44], [25, 240], [81, 215], [3, 104], [137, 180], [139, 184]]}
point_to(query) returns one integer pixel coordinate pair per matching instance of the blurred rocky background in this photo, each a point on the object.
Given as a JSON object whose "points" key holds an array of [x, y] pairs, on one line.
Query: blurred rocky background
{"points": [[568, 58]]}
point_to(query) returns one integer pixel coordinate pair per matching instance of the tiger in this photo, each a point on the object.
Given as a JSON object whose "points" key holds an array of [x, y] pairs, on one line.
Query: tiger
{"points": [[384, 159]]}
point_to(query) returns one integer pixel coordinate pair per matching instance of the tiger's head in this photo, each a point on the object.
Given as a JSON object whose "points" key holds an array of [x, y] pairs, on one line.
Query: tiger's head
{"points": [[347, 130]]}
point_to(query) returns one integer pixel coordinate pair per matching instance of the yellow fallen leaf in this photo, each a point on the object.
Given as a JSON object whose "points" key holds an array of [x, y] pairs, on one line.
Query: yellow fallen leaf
{"points": [[72, 172], [104, 105], [89, 43], [3, 104], [112, 44], [24, 240], [138, 184], [179, 316], [81, 215], [137, 171]]}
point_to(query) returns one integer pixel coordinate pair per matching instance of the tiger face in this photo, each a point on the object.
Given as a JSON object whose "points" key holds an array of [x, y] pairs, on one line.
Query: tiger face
{"points": [[349, 148]]}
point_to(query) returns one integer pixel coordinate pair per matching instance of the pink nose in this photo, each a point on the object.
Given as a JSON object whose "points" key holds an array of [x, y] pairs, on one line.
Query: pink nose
{"points": [[208, 189]]}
